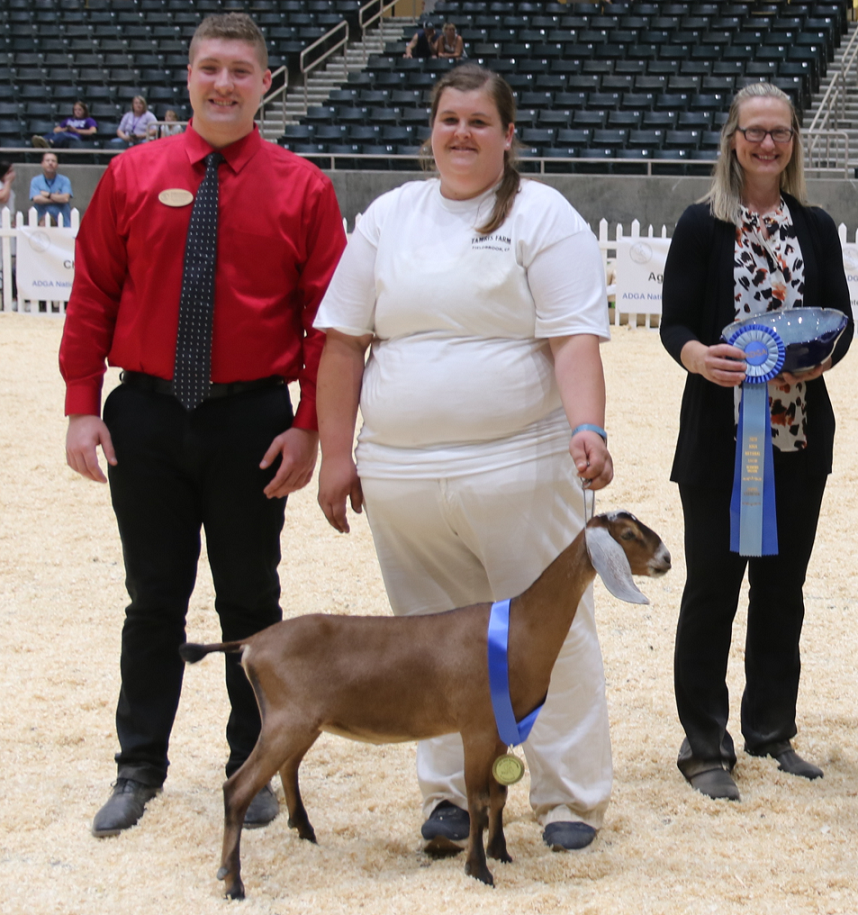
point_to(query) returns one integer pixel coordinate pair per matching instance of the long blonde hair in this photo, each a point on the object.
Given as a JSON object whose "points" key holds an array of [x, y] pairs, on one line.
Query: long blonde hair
{"points": [[728, 178], [467, 78]]}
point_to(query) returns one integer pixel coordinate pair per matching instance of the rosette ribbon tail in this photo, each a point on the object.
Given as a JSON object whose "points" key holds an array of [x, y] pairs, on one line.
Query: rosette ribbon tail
{"points": [[753, 517], [511, 732]]}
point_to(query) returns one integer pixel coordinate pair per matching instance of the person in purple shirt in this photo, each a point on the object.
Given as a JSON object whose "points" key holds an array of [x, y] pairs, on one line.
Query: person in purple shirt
{"points": [[71, 131]]}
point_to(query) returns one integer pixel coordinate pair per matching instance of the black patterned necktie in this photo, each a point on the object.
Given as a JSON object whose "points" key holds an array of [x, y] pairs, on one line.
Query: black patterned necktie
{"points": [[192, 371]]}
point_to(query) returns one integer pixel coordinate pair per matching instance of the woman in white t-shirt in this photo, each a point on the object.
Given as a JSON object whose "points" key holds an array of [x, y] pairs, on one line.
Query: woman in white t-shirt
{"points": [[468, 398]]}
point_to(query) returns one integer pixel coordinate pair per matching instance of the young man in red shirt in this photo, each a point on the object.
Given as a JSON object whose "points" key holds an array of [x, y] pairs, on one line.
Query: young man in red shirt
{"points": [[227, 464]]}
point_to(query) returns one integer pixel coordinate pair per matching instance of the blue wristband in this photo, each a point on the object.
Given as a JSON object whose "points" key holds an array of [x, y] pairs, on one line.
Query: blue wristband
{"points": [[591, 427]]}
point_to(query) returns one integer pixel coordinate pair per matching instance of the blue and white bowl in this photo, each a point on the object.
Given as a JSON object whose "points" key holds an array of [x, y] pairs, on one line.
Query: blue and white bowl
{"points": [[809, 335]]}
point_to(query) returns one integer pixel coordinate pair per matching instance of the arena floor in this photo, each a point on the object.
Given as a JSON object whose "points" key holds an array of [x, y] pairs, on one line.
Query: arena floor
{"points": [[790, 846]]}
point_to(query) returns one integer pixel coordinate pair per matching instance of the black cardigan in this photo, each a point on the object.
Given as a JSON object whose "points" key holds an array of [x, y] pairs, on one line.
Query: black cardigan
{"points": [[698, 303]]}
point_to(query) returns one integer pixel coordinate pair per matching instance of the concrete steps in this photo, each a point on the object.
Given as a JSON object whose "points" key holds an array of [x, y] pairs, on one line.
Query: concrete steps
{"points": [[333, 75], [848, 122]]}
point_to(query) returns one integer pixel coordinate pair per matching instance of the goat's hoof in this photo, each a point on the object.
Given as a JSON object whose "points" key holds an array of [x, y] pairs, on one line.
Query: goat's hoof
{"points": [[236, 891], [305, 831], [503, 856], [483, 874]]}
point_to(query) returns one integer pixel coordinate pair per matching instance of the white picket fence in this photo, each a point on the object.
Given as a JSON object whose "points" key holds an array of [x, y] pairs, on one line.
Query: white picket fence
{"points": [[9, 237], [608, 247]]}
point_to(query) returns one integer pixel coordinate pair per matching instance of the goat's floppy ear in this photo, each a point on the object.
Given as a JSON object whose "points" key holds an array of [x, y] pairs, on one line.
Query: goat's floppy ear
{"points": [[609, 560]]}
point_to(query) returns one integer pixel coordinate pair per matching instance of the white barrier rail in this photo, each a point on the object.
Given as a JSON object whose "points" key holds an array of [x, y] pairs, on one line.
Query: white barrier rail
{"points": [[11, 236]]}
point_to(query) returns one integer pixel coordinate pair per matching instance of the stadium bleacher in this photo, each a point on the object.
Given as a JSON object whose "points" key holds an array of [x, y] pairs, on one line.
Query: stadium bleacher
{"points": [[630, 80], [107, 51]]}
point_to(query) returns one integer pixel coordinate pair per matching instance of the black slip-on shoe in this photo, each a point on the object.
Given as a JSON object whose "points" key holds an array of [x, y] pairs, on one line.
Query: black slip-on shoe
{"points": [[788, 760], [715, 783], [123, 808]]}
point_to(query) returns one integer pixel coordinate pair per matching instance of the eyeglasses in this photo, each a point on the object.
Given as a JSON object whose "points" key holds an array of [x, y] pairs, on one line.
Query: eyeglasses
{"points": [[757, 134]]}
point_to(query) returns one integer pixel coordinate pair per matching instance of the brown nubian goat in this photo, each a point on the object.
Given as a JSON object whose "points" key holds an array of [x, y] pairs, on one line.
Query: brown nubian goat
{"points": [[392, 679]]}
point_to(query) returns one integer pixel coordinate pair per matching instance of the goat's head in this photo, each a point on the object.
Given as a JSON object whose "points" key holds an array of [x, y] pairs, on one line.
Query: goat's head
{"points": [[620, 546]]}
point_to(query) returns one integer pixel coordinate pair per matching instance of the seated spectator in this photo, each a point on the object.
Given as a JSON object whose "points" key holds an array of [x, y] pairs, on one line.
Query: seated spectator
{"points": [[450, 43], [7, 201], [51, 192], [423, 43], [7, 195], [71, 131], [135, 124], [169, 128]]}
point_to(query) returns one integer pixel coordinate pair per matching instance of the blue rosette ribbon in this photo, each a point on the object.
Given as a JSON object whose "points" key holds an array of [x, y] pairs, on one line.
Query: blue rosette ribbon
{"points": [[511, 732], [753, 518]]}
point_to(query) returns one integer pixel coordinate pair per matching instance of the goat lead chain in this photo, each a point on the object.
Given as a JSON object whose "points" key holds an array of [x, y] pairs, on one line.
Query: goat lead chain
{"points": [[588, 516], [585, 486]]}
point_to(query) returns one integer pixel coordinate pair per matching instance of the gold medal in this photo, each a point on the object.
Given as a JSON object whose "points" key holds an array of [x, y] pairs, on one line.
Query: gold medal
{"points": [[508, 769], [176, 197]]}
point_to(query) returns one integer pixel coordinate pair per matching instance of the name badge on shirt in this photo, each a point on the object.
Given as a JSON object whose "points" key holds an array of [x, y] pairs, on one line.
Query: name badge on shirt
{"points": [[176, 197]]}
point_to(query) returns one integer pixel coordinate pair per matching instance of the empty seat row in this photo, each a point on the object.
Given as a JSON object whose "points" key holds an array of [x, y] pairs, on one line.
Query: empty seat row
{"points": [[323, 118], [666, 135], [584, 159], [607, 90]]}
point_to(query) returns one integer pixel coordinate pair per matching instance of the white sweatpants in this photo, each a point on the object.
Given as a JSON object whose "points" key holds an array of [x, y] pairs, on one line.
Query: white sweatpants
{"points": [[445, 543]]}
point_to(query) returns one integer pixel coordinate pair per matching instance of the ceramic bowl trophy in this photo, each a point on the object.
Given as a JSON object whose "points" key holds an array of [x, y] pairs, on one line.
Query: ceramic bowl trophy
{"points": [[793, 340]]}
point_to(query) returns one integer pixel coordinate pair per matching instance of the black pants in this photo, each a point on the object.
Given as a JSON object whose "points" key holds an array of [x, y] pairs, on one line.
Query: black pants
{"points": [[178, 472], [775, 617]]}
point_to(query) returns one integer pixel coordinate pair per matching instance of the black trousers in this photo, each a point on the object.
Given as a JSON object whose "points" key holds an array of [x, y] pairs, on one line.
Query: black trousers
{"points": [[177, 473], [775, 617]]}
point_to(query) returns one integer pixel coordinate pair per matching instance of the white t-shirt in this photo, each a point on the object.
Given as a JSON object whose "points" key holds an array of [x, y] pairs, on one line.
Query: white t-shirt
{"points": [[460, 377]]}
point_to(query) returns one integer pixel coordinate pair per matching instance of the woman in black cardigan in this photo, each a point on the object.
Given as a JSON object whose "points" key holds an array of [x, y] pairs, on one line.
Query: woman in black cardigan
{"points": [[753, 245]]}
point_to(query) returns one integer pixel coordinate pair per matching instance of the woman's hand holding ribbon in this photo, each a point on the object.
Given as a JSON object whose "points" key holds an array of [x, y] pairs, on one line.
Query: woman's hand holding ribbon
{"points": [[722, 364]]}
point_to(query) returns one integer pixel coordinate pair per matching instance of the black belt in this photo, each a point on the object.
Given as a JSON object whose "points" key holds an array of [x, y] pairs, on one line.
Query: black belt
{"points": [[162, 386]]}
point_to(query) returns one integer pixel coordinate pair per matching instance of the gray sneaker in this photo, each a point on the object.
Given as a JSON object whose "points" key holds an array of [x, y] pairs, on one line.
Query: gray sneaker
{"points": [[568, 835]]}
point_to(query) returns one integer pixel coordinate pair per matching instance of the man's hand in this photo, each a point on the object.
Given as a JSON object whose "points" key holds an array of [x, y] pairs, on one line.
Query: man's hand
{"points": [[338, 480], [298, 449], [85, 434]]}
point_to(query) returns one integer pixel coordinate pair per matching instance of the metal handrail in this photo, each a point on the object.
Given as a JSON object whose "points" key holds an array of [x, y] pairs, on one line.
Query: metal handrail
{"points": [[835, 95], [823, 130], [341, 26], [827, 151], [28, 152], [365, 19], [275, 94], [700, 165], [534, 160]]}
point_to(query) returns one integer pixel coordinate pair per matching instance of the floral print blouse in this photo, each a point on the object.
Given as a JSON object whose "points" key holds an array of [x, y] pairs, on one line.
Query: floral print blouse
{"points": [[768, 274]]}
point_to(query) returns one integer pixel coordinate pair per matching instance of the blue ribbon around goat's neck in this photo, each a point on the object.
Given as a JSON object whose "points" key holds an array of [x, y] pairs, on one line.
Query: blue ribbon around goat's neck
{"points": [[511, 732], [753, 518]]}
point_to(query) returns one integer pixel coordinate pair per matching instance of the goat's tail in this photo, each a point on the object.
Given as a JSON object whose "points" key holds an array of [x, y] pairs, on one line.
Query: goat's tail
{"points": [[192, 652]]}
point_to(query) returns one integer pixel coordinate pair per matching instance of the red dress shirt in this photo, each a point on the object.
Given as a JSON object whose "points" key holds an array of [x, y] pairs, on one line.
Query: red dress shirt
{"points": [[280, 236]]}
